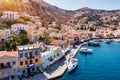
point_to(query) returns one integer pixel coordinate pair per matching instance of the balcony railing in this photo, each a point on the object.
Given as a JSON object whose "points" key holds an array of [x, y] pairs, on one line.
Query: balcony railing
{"points": [[30, 57], [5, 67]]}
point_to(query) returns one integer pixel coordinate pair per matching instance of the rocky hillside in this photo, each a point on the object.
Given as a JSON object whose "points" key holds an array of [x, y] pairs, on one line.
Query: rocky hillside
{"points": [[97, 17], [45, 11], [49, 13]]}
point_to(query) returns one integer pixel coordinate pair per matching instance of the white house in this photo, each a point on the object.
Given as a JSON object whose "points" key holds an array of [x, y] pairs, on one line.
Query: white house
{"points": [[4, 33], [9, 15], [17, 27], [53, 23], [50, 56], [7, 31]]}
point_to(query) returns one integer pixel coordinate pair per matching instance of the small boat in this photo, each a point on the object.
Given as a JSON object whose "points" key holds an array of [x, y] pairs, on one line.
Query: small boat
{"points": [[98, 40], [118, 40], [93, 43], [72, 64], [86, 50], [109, 41]]}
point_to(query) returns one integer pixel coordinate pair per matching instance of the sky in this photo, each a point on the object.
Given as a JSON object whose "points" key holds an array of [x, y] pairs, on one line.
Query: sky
{"points": [[77, 4]]}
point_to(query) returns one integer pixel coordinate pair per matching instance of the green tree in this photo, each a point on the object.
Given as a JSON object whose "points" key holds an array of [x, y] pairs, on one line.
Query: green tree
{"points": [[11, 44], [13, 37], [24, 39], [23, 32]]}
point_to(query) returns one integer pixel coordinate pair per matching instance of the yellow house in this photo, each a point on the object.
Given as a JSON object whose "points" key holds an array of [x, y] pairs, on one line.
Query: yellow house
{"points": [[29, 58]]}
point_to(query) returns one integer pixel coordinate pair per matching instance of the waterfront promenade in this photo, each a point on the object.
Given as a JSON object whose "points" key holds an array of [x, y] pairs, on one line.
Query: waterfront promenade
{"points": [[51, 74], [62, 66], [57, 69]]}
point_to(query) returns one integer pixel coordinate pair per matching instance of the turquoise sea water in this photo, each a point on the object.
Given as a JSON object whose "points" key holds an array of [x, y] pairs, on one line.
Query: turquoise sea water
{"points": [[102, 64]]}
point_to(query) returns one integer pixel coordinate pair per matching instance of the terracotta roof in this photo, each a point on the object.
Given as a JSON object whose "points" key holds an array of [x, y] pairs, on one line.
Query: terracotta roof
{"points": [[56, 42], [10, 53]]}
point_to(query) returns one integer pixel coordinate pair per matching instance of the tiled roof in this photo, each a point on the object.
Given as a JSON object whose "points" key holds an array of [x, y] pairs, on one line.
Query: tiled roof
{"points": [[10, 53], [56, 42]]}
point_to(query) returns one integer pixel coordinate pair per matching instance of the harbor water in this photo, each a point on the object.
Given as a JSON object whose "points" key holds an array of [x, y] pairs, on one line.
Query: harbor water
{"points": [[102, 64]]}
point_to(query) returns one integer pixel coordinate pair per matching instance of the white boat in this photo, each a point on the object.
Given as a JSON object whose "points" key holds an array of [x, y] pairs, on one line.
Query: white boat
{"points": [[108, 41], [72, 64], [98, 40], [93, 43], [117, 40], [86, 50]]}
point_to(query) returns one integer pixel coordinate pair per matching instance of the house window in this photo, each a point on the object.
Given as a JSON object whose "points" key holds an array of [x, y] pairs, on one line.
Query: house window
{"points": [[14, 62], [23, 71], [36, 60], [2, 65], [31, 56], [21, 55], [21, 63], [26, 55], [36, 53], [31, 61], [26, 62], [8, 65]]}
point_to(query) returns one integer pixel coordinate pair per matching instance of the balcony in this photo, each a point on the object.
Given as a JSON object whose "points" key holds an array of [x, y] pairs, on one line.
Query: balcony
{"points": [[30, 57], [5, 67]]}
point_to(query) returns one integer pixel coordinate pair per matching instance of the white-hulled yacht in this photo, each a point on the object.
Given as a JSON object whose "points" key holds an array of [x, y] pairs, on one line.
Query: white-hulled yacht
{"points": [[108, 40], [86, 50], [72, 64]]}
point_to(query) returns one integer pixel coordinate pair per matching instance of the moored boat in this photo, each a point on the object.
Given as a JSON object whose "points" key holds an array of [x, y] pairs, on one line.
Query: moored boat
{"points": [[72, 64], [86, 50], [93, 43], [98, 40], [118, 40], [108, 41]]}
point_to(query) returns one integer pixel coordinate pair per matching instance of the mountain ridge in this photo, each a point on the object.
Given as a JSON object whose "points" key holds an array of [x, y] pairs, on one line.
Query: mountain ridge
{"points": [[49, 13]]}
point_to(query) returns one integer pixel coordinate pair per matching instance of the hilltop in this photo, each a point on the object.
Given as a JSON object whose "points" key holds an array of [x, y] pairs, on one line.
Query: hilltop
{"points": [[48, 13], [87, 16], [45, 11]]}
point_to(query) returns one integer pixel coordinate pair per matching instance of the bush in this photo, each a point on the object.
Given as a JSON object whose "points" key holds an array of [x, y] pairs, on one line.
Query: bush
{"points": [[25, 18], [14, 21], [114, 28], [3, 25]]}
